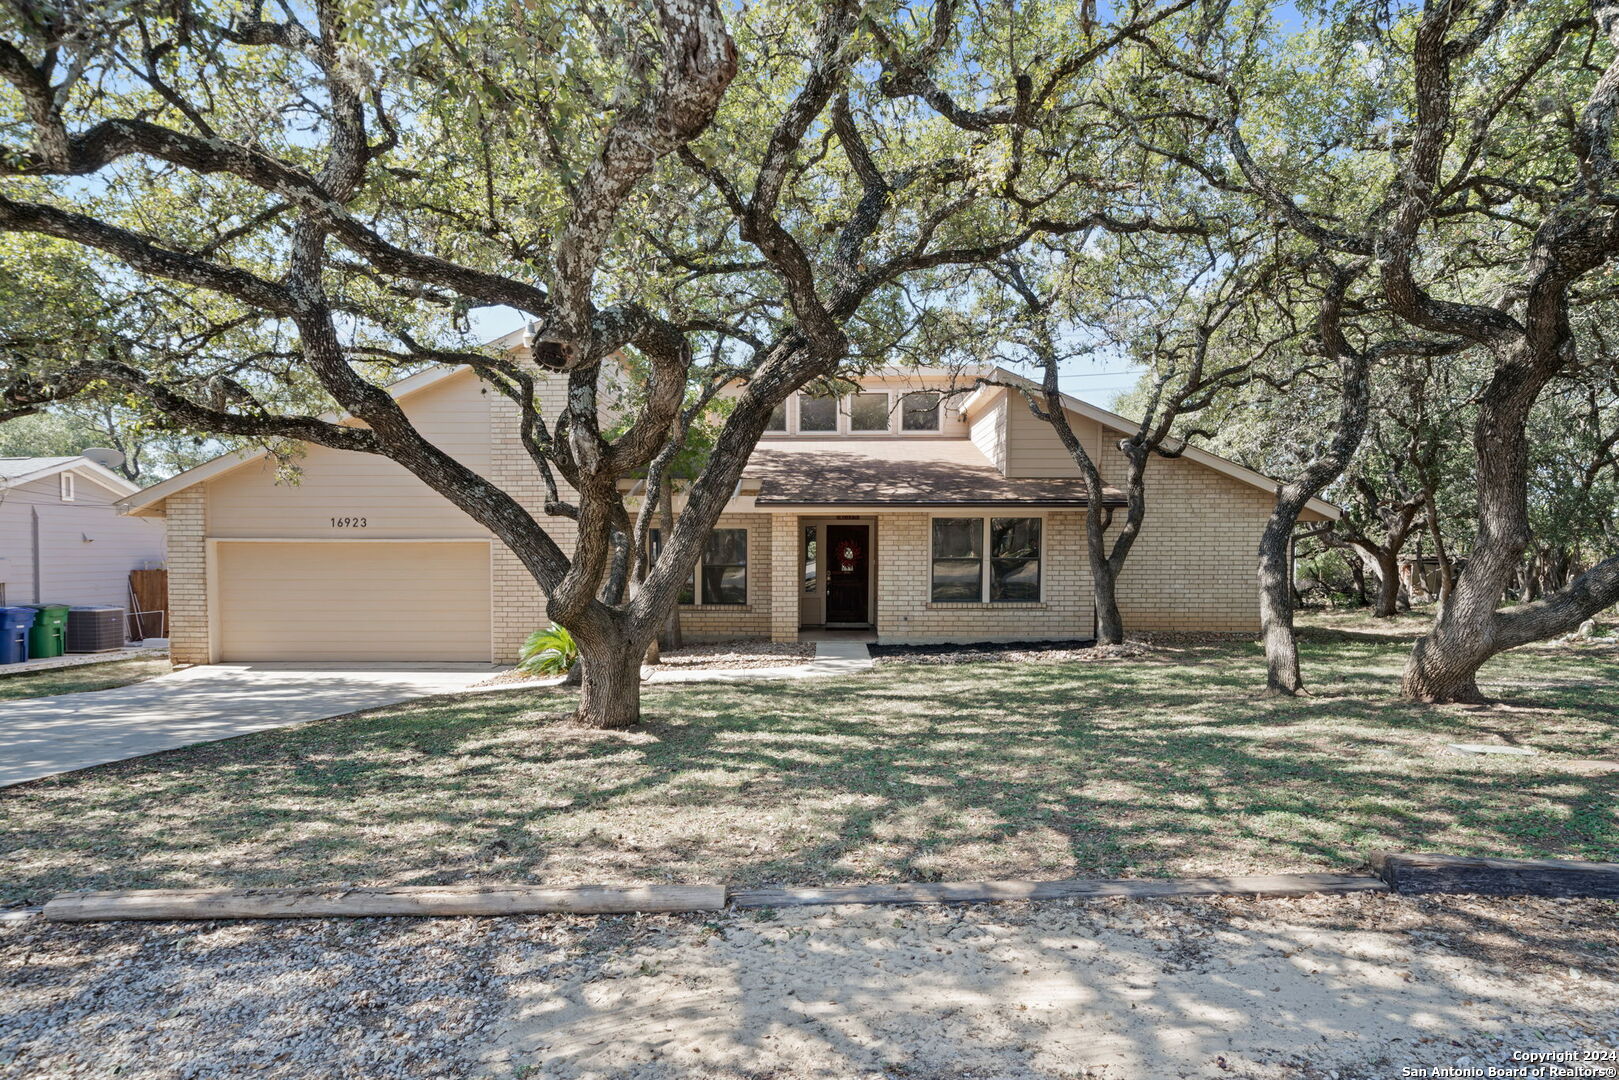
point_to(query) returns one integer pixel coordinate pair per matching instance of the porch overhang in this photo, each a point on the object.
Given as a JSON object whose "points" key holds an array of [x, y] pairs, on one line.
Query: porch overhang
{"points": [[934, 474]]}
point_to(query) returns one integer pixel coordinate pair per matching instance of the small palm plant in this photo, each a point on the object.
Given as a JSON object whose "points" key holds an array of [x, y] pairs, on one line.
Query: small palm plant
{"points": [[549, 652]]}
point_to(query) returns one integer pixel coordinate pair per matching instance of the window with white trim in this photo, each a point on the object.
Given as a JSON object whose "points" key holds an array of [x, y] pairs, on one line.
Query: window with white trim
{"points": [[722, 569], [868, 412], [817, 412], [920, 412], [778, 419], [68, 494], [992, 560]]}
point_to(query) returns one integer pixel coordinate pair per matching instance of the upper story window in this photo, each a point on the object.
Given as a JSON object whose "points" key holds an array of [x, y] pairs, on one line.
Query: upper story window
{"points": [[868, 412], [817, 413], [920, 412], [68, 494], [862, 412], [778, 419]]}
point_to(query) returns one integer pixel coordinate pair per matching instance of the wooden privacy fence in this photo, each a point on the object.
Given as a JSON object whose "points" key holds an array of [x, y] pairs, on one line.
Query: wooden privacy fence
{"points": [[148, 604]]}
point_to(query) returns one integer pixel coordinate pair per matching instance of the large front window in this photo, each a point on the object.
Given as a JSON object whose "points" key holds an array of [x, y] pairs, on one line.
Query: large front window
{"points": [[958, 559], [724, 568], [963, 574]]}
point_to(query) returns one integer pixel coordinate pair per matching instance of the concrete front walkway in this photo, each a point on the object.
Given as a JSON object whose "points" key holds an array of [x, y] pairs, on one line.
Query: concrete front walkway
{"points": [[44, 736]]}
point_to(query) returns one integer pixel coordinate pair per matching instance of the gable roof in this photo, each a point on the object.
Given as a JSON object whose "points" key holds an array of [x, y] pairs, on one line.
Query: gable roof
{"points": [[1115, 422], [16, 471], [146, 500]]}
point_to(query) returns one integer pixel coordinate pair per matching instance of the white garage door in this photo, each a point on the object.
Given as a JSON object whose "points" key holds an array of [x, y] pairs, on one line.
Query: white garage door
{"points": [[353, 601]]}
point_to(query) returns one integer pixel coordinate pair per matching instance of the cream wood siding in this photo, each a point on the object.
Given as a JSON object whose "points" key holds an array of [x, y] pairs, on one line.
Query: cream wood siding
{"points": [[988, 431], [1033, 448], [454, 415], [353, 600]]}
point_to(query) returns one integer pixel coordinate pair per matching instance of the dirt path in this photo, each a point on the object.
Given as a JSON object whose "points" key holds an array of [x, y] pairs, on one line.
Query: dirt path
{"points": [[1345, 986]]}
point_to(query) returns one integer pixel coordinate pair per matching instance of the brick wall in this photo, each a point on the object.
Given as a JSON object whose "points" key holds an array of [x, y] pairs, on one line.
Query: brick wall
{"points": [[732, 622], [904, 582], [517, 602], [1193, 567], [187, 521]]}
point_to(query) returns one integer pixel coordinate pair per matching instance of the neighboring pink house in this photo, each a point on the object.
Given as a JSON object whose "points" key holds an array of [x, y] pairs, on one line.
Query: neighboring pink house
{"points": [[894, 509]]}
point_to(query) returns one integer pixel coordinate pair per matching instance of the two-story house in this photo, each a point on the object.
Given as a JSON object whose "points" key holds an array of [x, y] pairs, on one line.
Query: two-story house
{"points": [[901, 509]]}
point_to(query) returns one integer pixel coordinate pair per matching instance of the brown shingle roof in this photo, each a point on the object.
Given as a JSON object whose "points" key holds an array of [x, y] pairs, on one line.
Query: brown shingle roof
{"points": [[897, 472]]}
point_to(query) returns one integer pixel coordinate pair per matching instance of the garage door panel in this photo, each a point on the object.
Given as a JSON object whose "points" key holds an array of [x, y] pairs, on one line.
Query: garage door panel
{"points": [[353, 601]]}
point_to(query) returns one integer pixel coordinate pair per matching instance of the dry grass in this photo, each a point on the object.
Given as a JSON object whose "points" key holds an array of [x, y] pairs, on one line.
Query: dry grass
{"points": [[77, 680], [1160, 767]]}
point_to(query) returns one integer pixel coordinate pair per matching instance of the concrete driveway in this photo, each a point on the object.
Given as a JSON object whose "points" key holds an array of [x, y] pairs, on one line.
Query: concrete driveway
{"points": [[45, 736]]}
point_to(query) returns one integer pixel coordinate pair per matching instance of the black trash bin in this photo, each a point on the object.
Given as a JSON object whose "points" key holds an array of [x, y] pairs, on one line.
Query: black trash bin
{"points": [[95, 629]]}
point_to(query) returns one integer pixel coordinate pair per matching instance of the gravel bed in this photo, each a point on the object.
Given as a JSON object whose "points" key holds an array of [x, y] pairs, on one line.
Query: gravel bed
{"points": [[1307, 989], [722, 655], [740, 654], [369, 998], [1052, 652]]}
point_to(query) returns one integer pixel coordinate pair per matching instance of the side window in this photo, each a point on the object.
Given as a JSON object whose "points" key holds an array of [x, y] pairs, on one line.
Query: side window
{"points": [[68, 494], [778, 419], [1014, 550], [725, 567], [688, 591]]}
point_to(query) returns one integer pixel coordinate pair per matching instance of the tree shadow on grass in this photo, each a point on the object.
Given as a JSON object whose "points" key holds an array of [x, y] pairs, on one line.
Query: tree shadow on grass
{"points": [[983, 770]]}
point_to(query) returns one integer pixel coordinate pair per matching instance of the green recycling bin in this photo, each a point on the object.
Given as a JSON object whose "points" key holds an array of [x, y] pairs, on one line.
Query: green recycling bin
{"points": [[49, 635]]}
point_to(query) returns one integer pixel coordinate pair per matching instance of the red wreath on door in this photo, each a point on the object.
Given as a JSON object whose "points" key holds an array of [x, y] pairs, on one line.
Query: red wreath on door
{"points": [[848, 556]]}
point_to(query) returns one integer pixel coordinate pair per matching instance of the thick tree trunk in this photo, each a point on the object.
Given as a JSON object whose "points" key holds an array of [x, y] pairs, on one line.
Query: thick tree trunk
{"points": [[666, 523], [1444, 663], [1388, 588], [1357, 571], [1276, 601], [1104, 587], [610, 693]]}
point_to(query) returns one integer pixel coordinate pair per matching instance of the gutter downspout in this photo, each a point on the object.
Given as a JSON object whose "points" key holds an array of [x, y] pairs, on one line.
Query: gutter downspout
{"points": [[33, 513]]}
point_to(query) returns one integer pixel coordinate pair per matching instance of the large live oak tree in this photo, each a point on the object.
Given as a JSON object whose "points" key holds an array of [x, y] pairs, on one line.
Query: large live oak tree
{"points": [[1463, 150], [304, 202]]}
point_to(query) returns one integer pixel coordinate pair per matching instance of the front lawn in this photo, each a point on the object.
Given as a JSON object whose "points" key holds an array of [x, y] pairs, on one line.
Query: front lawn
{"points": [[1149, 768], [76, 680]]}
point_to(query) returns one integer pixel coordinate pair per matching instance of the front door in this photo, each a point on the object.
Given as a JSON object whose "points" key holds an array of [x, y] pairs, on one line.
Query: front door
{"points": [[848, 575]]}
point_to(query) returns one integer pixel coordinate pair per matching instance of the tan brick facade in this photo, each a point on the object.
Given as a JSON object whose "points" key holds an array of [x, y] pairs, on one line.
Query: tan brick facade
{"points": [[729, 622], [187, 520], [517, 603], [1192, 568], [905, 612]]}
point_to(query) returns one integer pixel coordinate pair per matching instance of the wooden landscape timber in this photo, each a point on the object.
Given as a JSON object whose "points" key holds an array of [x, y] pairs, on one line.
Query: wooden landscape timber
{"points": [[1428, 873], [1395, 872], [962, 892], [439, 900]]}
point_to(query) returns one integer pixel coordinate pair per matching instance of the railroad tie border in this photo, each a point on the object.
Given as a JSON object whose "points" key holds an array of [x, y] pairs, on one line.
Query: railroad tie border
{"points": [[1399, 873]]}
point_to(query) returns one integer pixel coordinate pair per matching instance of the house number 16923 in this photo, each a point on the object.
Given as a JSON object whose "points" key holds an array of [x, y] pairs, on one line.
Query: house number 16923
{"points": [[348, 523]]}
